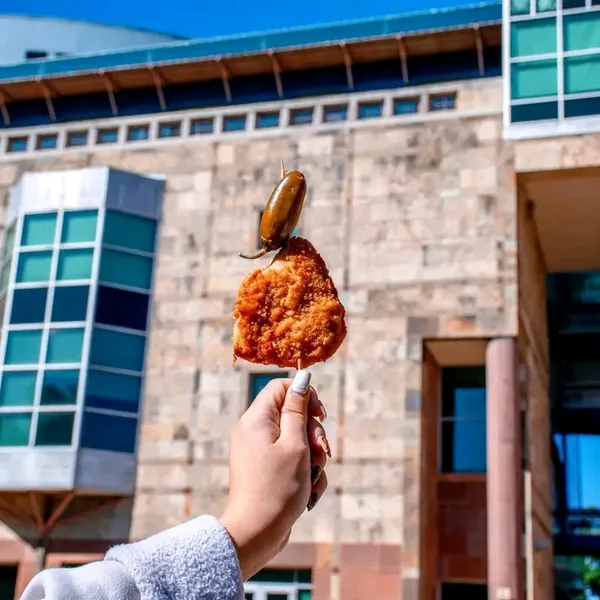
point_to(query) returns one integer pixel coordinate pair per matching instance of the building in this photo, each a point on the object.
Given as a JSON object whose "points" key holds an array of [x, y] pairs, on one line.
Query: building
{"points": [[24, 38], [453, 159]]}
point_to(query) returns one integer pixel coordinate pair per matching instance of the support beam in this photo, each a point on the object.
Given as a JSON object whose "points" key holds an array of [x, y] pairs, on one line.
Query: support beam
{"points": [[4, 109], [403, 60], [504, 505], [16, 513], [348, 63], [479, 44], [48, 98], [224, 78], [58, 511], [36, 504], [158, 84], [89, 510], [277, 72], [110, 90]]}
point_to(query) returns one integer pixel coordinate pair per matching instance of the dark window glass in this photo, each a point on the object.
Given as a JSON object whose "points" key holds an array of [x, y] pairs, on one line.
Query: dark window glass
{"points": [[77, 138], [566, 4], [334, 114], [370, 110], [29, 306], [442, 102], [108, 432], [108, 136], [8, 580], [464, 591], [234, 123], [59, 388], [70, 303], [406, 106], [118, 350], [112, 391], [258, 381], [17, 144], [122, 308], [201, 126], [167, 130], [266, 120], [536, 111], [463, 416], [54, 429], [283, 576], [47, 142], [129, 231], [582, 108], [138, 132], [14, 429], [35, 54], [301, 116]]}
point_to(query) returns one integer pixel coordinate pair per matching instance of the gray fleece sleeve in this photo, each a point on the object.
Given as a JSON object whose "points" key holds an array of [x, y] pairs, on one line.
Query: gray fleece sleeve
{"points": [[193, 561]]}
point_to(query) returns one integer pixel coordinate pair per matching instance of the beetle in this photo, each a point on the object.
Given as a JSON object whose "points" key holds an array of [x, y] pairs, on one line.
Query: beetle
{"points": [[282, 212]]}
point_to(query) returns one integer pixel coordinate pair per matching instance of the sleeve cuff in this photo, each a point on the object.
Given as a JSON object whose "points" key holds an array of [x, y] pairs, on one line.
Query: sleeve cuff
{"points": [[193, 561]]}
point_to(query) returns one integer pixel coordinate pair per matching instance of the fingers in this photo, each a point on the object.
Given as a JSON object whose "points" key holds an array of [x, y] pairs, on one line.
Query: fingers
{"points": [[318, 489], [318, 461], [294, 411], [317, 438], [315, 406]]}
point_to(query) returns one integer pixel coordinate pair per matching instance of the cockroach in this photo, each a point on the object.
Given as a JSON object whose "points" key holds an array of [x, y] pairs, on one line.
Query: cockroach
{"points": [[282, 212]]}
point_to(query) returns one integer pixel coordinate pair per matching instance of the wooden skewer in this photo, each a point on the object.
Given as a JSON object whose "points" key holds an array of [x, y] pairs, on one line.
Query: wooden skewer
{"points": [[299, 364]]}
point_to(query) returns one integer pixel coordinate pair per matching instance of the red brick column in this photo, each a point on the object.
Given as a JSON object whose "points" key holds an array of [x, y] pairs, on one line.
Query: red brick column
{"points": [[504, 513]]}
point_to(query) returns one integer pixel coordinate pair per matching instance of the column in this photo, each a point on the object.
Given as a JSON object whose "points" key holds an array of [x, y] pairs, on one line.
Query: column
{"points": [[504, 515]]}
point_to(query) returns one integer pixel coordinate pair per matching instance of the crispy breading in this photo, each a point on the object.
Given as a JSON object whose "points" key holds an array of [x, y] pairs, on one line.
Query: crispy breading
{"points": [[290, 311]]}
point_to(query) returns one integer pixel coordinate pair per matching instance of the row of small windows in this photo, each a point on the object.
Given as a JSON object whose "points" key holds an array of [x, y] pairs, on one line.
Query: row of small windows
{"points": [[231, 123], [526, 7]]}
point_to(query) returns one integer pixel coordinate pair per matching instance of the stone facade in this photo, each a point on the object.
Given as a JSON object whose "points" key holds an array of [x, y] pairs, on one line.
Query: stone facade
{"points": [[417, 223]]}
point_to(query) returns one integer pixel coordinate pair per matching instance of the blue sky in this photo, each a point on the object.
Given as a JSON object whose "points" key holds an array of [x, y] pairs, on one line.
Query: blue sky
{"points": [[217, 17]]}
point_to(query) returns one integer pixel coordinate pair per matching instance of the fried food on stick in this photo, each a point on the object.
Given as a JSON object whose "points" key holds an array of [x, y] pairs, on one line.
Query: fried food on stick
{"points": [[289, 314]]}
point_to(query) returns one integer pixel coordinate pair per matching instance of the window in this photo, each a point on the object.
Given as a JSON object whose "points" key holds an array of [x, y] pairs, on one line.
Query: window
{"points": [[8, 580], [18, 388], [59, 387], [14, 429], [301, 116], [54, 429], [70, 303], [280, 584], [108, 432], [442, 102], [234, 123], [23, 347], [77, 138], [35, 54], [39, 229], [74, 264], [370, 110], [168, 130], [79, 226], [117, 349], [258, 382], [201, 126], [107, 136], [406, 106], [531, 37], [46, 142], [28, 306], [17, 144], [335, 114], [463, 591], [113, 391], [64, 346], [266, 120], [520, 7], [137, 133], [129, 231], [123, 268], [33, 266], [122, 308], [463, 420]]}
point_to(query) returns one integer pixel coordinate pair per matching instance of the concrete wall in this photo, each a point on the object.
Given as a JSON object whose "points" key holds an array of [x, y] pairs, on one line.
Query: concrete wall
{"points": [[418, 225]]}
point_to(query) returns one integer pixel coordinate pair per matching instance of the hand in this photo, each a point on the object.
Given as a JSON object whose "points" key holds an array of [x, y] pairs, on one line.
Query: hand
{"points": [[278, 452]]}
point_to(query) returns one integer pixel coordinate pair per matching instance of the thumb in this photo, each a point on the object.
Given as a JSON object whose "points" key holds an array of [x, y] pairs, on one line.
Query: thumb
{"points": [[294, 411]]}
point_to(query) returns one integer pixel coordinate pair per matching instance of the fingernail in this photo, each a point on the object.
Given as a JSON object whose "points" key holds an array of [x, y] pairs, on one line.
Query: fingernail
{"points": [[314, 498], [322, 441], [323, 410], [301, 382], [315, 473]]}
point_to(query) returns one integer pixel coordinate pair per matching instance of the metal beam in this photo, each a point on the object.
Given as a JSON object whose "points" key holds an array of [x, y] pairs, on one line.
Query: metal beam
{"points": [[277, 72], [158, 84], [403, 60], [48, 98], [479, 44], [224, 78], [3, 108], [110, 90], [348, 63]]}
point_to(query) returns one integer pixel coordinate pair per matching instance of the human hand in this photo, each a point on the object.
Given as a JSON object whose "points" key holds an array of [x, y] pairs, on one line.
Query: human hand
{"points": [[278, 452]]}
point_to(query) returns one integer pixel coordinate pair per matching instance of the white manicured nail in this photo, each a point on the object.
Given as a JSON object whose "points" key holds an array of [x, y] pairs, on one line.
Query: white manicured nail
{"points": [[301, 382]]}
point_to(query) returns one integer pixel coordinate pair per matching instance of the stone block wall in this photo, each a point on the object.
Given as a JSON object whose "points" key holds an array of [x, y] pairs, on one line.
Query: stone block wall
{"points": [[417, 224]]}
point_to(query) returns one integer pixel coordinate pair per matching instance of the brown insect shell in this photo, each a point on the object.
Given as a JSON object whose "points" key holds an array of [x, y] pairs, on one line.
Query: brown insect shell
{"points": [[283, 210]]}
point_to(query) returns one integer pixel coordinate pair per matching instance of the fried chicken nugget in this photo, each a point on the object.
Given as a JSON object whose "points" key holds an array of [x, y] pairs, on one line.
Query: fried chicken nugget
{"points": [[290, 311]]}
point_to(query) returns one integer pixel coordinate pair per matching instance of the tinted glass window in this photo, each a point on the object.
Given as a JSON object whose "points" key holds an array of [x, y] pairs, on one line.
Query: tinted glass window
{"points": [[122, 308], [112, 391], [14, 429], [59, 388], [117, 350], [33, 266], [23, 347], [54, 429], [129, 231], [464, 591], [127, 269], [70, 303], [75, 264], [29, 306], [64, 345], [17, 388], [107, 432], [38, 229], [258, 382], [79, 226]]}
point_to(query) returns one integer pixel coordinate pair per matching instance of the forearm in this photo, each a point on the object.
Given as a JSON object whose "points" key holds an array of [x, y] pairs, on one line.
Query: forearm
{"points": [[193, 561]]}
